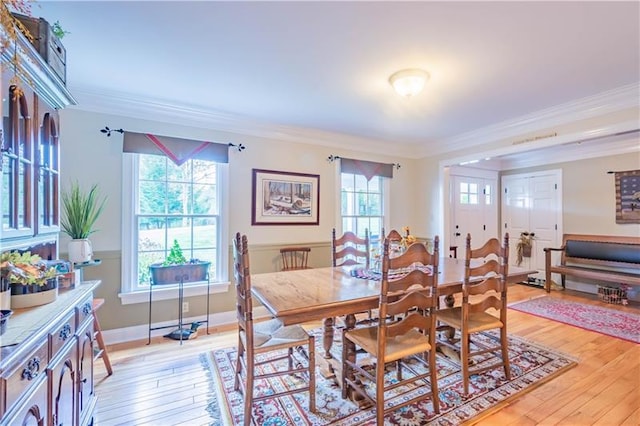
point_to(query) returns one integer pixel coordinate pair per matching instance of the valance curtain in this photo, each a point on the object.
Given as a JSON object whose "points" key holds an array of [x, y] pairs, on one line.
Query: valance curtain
{"points": [[367, 168], [177, 149]]}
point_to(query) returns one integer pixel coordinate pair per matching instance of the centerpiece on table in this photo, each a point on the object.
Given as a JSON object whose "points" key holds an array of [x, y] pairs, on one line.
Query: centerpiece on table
{"points": [[407, 239], [176, 268], [31, 282]]}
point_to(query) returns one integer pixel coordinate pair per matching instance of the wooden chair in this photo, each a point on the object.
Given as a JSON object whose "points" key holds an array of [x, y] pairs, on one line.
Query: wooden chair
{"points": [[294, 258], [350, 249], [491, 262], [393, 236], [268, 336], [410, 338]]}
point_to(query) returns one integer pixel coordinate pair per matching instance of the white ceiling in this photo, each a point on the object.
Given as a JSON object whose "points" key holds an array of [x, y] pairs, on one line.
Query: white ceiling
{"points": [[325, 65]]}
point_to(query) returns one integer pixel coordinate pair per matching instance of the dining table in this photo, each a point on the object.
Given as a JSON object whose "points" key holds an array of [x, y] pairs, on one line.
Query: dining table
{"points": [[322, 294]]}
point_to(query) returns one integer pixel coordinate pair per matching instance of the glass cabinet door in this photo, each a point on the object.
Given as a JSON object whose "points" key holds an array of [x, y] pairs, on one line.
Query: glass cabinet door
{"points": [[17, 164], [48, 172]]}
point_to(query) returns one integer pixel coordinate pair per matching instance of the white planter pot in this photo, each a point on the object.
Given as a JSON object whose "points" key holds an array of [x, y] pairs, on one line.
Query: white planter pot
{"points": [[80, 251]]}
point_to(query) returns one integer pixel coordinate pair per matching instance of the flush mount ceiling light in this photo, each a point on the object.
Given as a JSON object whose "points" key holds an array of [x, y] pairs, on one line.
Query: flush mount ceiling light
{"points": [[409, 82]]}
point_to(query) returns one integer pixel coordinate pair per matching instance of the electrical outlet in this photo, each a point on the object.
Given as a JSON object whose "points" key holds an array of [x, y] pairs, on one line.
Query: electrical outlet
{"points": [[185, 307]]}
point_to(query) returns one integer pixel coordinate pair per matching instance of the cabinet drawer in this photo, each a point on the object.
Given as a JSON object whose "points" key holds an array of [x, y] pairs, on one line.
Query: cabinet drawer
{"points": [[84, 311], [62, 334], [25, 373]]}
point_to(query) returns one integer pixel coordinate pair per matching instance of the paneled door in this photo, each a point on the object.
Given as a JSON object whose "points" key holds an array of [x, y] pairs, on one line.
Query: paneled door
{"points": [[532, 203], [475, 210]]}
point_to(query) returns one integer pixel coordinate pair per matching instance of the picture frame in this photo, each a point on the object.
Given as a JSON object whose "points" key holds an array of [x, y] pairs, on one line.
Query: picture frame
{"points": [[285, 198], [628, 196]]}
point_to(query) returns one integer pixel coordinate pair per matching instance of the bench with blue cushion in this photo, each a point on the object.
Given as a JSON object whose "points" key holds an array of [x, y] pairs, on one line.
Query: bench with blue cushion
{"points": [[607, 258]]}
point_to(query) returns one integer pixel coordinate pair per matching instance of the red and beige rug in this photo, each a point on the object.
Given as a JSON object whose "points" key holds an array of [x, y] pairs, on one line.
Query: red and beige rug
{"points": [[612, 322], [531, 365]]}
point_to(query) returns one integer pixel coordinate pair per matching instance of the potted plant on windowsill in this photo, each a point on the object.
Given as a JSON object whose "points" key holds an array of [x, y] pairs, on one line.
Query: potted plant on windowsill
{"points": [[32, 283], [80, 213], [176, 268]]}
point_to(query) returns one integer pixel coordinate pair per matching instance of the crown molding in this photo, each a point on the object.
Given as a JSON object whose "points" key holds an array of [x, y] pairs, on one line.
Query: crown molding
{"points": [[592, 106], [122, 104], [603, 141]]}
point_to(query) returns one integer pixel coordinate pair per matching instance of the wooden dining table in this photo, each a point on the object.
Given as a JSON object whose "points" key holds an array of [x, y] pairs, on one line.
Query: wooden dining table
{"points": [[301, 296]]}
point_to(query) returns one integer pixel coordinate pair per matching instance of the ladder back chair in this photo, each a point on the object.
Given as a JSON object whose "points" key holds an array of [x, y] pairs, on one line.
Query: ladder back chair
{"points": [[288, 342], [394, 236], [294, 258], [349, 249], [409, 343], [490, 263]]}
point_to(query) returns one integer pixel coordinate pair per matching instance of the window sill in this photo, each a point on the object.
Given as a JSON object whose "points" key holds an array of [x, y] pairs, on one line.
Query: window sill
{"points": [[168, 292]]}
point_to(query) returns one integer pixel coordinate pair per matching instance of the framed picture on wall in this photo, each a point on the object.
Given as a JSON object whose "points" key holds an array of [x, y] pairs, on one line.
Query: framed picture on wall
{"points": [[628, 196], [285, 198]]}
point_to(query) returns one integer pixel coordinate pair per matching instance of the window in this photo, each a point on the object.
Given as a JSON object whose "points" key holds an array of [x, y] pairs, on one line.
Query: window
{"points": [[468, 193], [167, 202], [362, 204]]}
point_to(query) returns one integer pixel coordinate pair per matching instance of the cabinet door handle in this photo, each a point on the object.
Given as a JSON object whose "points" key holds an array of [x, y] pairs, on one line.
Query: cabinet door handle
{"points": [[65, 332], [32, 370], [86, 309]]}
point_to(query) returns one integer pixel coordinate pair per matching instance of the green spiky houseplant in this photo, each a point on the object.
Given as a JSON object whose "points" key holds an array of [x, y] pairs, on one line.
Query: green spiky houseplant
{"points": [[80, 211]]}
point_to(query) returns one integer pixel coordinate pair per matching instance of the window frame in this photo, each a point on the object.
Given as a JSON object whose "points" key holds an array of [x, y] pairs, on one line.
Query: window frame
{"points": [[385, 188], [130, 292]]}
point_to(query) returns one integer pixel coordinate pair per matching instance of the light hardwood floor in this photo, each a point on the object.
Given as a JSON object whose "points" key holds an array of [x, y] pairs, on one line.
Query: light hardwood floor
{"points": [[162, 384]]}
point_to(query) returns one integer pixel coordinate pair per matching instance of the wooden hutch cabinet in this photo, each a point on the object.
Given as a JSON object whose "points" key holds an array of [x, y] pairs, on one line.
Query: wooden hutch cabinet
{"points": [[46, 352], [31, 152]]}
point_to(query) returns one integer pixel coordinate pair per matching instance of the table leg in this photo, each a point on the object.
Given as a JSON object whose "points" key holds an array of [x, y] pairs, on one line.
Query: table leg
{"points": [[327, 342], [350, 347], [449, 301]]}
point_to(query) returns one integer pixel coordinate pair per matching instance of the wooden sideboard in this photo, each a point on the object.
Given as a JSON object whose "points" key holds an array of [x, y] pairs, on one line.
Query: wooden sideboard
{"points": [[46, 362]]}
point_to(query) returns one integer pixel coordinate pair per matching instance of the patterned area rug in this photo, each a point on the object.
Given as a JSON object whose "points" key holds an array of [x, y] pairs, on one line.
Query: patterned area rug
{"points": [[612, 322], [531, 366]]}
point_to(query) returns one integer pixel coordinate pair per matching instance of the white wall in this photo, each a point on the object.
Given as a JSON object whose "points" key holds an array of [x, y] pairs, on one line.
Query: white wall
{"points": [[91, 157]]}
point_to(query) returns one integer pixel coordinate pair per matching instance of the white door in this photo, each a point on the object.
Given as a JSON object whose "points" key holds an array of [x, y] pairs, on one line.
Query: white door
{"points": [[475, 211], [532, 203]]}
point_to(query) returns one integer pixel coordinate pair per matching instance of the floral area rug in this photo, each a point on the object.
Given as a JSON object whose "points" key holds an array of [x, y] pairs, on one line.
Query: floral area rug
{"points": [[612, 322], [531, 365]]}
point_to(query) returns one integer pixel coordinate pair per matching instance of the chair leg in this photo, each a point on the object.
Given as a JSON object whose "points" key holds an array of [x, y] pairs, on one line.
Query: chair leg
{"points": [[312, 374], [345, 367], [236, 385], [505, 352], [380, 393], [433, 371], [464, 361], [248, 394]]}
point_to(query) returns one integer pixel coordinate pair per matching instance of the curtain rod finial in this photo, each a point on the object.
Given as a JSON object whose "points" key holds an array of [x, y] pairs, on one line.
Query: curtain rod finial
{"points": [[332, 158], [239, 147], [108, 131]]}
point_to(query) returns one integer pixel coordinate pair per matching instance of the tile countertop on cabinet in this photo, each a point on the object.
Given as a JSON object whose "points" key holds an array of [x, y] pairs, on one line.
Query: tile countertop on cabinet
{"points": [[27, 324]]}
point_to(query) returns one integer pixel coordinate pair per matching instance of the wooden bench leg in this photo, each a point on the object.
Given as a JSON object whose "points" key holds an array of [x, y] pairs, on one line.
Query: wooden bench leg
{"points": [[97, 303]]}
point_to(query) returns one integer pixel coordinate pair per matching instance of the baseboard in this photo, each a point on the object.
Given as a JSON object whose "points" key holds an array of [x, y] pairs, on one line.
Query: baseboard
{"points": [[140, 332]]}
